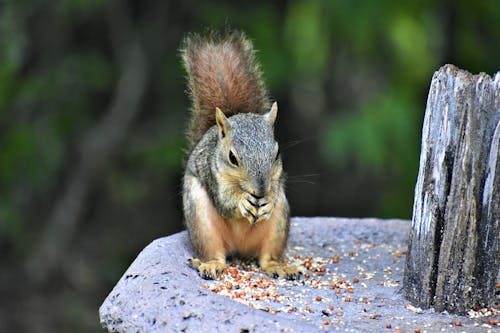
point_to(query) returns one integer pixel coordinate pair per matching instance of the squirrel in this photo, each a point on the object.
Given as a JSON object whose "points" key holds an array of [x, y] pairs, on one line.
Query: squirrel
{"points": [[233, 187]]}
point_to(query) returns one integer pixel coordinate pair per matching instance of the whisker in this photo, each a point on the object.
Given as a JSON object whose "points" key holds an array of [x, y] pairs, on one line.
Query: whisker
{"points": [[295, 181], [305, 175], [290, 144]]}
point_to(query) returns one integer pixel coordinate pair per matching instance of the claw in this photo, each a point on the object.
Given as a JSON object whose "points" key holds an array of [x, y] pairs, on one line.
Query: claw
{"points": [[194, 263], [209, 270], [276, 270]]}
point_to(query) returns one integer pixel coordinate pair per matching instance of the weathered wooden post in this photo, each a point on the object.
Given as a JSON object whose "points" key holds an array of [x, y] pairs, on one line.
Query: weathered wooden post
{"points": [[454, 251]]}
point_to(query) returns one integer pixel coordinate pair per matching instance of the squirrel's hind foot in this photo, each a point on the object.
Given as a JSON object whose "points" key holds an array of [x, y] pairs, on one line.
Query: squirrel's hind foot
{"points": [[209, 270], [278, 270]]}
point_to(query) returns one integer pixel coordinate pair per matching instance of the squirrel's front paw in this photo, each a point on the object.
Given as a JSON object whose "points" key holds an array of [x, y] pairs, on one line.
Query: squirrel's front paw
{"points": [[255, 210], [277, 270], [209, 270]]}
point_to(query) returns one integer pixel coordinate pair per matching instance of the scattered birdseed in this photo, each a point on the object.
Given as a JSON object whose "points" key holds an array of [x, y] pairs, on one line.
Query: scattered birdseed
{"points": [[483, 312], [413, 308], [324, 293]]}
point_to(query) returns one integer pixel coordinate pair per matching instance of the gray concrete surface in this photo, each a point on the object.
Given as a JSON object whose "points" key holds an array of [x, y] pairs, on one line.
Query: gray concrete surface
{"points": [[353, 284]]}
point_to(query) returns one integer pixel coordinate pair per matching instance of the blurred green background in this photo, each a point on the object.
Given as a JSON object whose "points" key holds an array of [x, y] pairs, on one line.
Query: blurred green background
{"points": [[93, 111]]}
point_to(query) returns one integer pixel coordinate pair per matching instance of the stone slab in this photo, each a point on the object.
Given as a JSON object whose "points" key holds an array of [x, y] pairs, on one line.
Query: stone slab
{"points": [[160, 293]]}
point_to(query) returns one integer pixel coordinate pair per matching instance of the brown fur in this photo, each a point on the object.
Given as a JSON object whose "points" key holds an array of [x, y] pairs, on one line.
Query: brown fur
{"points": [[222, 72], [265, 240]]}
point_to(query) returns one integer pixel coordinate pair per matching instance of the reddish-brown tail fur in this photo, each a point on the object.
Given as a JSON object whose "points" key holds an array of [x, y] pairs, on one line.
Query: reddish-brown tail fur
{"points": [[222, 72]]}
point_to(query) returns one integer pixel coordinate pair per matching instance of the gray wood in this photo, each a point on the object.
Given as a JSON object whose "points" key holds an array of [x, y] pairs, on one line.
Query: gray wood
{"points": [[454, 253]]}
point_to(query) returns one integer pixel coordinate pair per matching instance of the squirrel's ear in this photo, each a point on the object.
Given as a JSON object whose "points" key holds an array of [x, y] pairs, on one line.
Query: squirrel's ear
{"points": [[271, 115], [222, 123]]}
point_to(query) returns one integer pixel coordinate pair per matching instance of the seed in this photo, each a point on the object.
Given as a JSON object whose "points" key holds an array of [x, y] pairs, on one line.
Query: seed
{"points": [[322, 269], [397, 330], [350, 290], [457, 323], [308, 308], [355, 280], [266, 308], [307, 275], [325, 322], [347, 299], [339, 314], [337, 291], [492, 322], [372, 316], [336, 259], [331, 308], [319, 298], [417, 330], [388, 325]]}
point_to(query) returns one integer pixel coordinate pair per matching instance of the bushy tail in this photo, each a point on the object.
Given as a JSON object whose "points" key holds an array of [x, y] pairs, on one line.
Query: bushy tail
{"points": [[222, 72]]}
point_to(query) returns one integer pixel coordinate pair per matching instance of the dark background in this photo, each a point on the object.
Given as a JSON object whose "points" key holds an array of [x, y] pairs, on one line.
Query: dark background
{"points": [[93, 111]]}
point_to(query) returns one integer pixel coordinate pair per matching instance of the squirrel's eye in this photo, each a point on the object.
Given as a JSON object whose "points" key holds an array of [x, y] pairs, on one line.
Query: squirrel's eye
{"points": [[233, 159]]}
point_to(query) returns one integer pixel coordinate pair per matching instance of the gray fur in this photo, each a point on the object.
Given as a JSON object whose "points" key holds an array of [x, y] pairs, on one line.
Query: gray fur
{"points": [[253, 141]]}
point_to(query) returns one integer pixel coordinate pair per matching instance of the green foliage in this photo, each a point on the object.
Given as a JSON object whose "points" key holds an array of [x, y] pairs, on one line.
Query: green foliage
{"points": [[307, 36], [383, 138], [18, 155], [392, 47], [10, 220], [410, 41], [164, 153], [83, 6], [12, 49]]}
